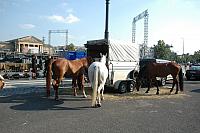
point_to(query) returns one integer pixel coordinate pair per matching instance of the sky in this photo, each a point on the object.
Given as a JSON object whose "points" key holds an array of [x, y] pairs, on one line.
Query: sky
{"points": [[177, 22]]}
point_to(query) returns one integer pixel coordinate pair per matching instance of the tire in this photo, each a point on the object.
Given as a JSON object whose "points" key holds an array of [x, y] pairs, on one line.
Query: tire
{"points": [[122, 87], [131, 86], [163, 81]]}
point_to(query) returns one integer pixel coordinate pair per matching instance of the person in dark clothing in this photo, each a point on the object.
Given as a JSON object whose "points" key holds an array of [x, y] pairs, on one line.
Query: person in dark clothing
{"points": [[46, 65], [34, 66], [40, 64]]}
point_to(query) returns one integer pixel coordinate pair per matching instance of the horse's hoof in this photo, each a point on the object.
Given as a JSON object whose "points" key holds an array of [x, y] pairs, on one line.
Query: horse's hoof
{"points": [[176, 92], [146, 92], [84, 96], [56, 99], [157, 93], [94, 106], [98, 105], [102, 98]]}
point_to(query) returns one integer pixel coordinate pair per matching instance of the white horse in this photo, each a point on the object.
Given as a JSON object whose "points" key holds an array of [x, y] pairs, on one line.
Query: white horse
{"points": [[98, 73]]}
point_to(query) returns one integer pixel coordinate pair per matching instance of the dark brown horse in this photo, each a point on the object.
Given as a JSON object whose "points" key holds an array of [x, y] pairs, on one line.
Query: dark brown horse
{"points": [[153, 70], [61, 67]]}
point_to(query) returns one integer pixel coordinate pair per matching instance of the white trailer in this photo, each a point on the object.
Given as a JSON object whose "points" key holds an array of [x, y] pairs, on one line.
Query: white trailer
{"points": [[122, 62]]}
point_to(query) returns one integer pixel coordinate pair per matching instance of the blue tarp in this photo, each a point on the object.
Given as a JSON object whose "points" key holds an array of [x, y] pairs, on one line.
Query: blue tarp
{"points": [[73, 55]]}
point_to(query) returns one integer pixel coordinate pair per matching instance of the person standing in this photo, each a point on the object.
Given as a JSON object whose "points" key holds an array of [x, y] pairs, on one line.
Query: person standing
{"points": [[34, 66], [40, 64], [47, 61]]}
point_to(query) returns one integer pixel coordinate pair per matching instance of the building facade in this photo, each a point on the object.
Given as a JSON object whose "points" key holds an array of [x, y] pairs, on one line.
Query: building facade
{"points": [[26, 45]]}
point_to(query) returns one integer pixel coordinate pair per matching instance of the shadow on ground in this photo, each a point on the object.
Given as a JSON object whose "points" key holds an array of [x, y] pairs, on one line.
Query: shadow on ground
{"points": [[38, 101], [196, 90]]}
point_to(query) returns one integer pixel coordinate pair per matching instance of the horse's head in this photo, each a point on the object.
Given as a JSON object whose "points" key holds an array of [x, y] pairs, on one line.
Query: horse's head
{"points": [[103, 58], [89, 61]]}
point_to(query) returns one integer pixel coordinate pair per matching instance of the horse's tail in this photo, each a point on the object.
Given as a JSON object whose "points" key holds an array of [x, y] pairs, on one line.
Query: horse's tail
{"points": [[181, 79], [48, 77], [95, 85]]}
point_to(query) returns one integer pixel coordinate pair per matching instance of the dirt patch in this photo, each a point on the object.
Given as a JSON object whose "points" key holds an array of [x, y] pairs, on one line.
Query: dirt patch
{"points": [[112, 95]]}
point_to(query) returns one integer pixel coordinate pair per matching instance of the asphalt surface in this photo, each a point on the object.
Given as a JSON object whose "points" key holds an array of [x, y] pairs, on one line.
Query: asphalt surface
{"points": [[27, 110]]}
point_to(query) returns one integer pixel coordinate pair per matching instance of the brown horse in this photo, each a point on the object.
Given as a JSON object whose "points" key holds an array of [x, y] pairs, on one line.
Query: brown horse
{"points": [[153, 70], [2, 83], [61, 67]]}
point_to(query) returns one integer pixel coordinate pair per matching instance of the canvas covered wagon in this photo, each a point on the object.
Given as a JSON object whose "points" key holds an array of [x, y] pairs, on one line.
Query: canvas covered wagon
{"points": [[122, 61]]}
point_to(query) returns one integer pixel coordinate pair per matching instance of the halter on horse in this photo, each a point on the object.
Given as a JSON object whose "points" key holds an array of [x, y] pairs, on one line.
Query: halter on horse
{"points": [[98, 73], [153, 70], [60, 67]]}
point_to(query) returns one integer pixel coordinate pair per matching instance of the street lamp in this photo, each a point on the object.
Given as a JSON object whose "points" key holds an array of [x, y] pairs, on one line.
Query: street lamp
{"points": [[183, 44], [183, 48]]}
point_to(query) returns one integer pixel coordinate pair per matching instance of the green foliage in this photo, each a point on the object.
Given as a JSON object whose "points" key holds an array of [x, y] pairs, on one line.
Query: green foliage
{"points": [[196, 56], [162, 50], [70, 47]]}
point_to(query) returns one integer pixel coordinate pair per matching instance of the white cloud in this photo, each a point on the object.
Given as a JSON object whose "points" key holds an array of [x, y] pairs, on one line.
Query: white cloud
{"points": [[27, 26], [69, 19]]}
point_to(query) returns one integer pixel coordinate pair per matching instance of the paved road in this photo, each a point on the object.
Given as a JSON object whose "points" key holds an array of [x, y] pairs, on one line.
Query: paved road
{"points": [[32, 112]]}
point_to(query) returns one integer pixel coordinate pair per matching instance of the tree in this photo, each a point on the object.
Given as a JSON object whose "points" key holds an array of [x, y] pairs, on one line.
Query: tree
{"points": [[70, 47], [196, 56], [162, 50]]}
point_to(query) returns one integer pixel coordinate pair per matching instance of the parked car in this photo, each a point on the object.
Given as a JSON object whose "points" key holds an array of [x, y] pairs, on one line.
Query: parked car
{"points": [[193, 72]]}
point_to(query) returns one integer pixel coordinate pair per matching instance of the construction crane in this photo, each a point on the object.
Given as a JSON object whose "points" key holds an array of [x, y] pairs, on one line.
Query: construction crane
{"points": [[142, 15]]}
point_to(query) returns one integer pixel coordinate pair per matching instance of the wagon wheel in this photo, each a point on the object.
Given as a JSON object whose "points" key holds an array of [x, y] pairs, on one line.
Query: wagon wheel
{"points": [[122, 87], [163, 81], [131, 86]]}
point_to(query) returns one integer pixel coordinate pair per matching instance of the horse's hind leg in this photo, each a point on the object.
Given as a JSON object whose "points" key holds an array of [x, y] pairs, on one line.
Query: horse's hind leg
{"points": [[100, 92], [102, 96], [174, 82], [55, 86], [149, 85], [176, 87], [98, 98], [74, 85], [81, 85]]}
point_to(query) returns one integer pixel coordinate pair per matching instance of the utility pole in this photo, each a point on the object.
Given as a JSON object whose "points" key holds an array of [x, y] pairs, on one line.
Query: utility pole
{"points": [[183, 49], [106, 23]]}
